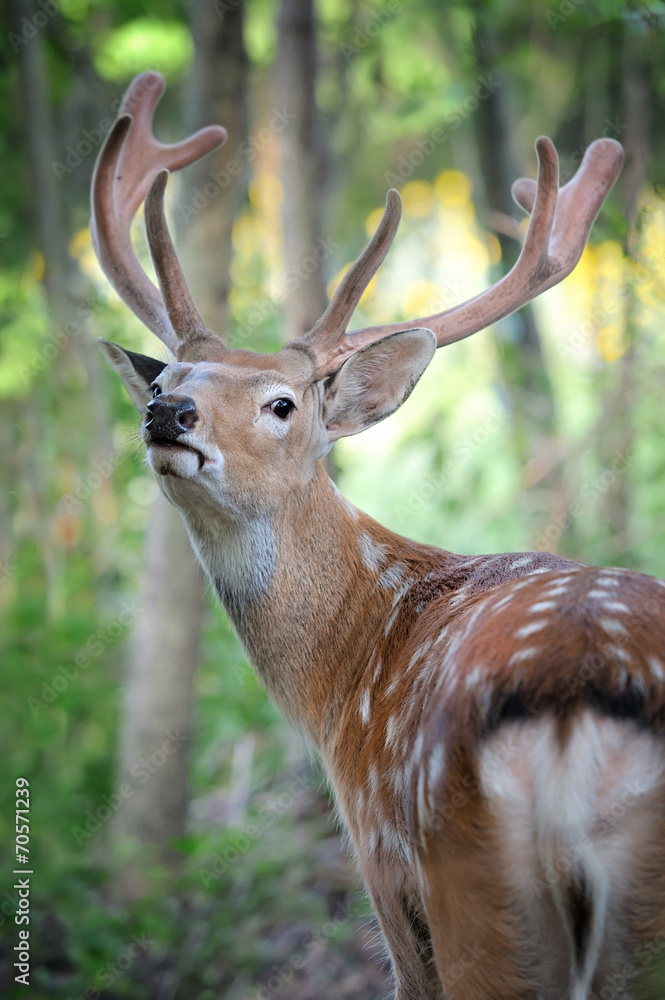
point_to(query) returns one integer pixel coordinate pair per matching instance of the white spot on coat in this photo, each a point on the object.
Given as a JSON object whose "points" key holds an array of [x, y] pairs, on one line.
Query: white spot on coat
{"points": [[373, 553], [392, 730], [459, 598], [613, 626], [502, 603], [422, 810], [392, 576], [435, 764], [522, 561], [526, 630], [618, 606], [417, 749], [373, 780], [607, 581], [657, 668], [523, 654], [442, 634], [541, 606], [422, 650], [476, 675], [390, 622], [402, 590], [619, 652]]}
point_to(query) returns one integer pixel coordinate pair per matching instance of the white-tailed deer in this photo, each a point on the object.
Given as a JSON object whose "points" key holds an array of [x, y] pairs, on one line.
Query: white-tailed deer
{"points": [[492, 725]]}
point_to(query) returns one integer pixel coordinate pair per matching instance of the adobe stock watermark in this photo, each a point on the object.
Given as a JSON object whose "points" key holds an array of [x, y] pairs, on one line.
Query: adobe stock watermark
{"points": [[423, 148], [108, 974], [615, 986], [589, 666], [584, 334], [572, 856], [474, 784], [91, 140], [86, 484], [241, 842], [590, 494], [613, 128], [31, 26], [291, 280], [55, 343], [470, 955], [141, 772], [371, 28], [282, 976], [247, 153], [565, 10], [7, 567], [95, 646], [425, 496], [222, 7], [642, 276]]}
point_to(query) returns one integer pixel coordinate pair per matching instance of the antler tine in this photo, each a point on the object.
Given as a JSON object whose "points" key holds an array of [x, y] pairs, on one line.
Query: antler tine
{"points": [[549, 253], [126, 167], [113, 245], [580, 199], [558, 230], [342, 305], [179, 306]]}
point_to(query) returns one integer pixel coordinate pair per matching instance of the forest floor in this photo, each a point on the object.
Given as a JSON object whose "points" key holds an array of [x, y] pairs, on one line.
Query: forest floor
{"points": [[290, 921]]}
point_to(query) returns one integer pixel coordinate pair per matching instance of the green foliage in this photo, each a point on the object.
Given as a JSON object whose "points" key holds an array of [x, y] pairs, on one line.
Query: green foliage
{"points": [[470, 463], [126, 51]]}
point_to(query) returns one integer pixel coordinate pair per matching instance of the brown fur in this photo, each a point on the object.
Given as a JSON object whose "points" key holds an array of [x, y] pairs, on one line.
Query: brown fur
{"points": [[402, 663], [447, 695]]}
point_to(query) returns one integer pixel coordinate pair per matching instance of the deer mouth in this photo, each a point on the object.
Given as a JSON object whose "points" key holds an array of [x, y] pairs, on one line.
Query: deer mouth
{"points": [[175, 458], [164, 443]]}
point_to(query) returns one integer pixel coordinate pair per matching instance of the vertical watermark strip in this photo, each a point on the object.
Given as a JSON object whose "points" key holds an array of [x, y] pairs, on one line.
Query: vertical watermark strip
{"points": [[22, 885]]}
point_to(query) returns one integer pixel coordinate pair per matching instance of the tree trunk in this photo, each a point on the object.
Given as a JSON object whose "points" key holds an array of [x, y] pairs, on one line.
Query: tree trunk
{"points": [[524, 362], [217, 94], [620, 398], [303, 172], [521, 356], [68, 295], [156, 734], [164, 651]]}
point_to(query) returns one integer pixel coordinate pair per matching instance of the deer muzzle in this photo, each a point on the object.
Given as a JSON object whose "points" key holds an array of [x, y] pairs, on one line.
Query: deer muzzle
{"points": [[167, 420]]}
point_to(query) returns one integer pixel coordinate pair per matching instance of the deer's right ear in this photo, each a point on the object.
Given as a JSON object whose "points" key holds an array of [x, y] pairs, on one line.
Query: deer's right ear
{"points": [[375, 381], [137, 371]]}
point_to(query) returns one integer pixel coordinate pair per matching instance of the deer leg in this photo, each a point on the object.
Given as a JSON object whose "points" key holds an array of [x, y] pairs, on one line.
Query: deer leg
{"points": [[485, 944], [478, 942], [406, 933]]}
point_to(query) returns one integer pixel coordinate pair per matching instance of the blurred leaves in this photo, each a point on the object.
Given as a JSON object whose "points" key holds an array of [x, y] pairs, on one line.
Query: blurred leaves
{"points": [[165, 46]]}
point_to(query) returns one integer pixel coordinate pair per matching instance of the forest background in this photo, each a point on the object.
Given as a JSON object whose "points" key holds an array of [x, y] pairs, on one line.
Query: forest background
{"points": [[181, 839]]}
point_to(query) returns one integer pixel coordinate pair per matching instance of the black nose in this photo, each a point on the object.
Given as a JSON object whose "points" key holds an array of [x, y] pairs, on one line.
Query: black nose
{"points": [[168, 419]]}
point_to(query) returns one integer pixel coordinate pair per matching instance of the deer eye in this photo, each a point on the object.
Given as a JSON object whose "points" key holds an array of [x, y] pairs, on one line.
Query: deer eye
{"points": [[282, 407], [155, 390]]}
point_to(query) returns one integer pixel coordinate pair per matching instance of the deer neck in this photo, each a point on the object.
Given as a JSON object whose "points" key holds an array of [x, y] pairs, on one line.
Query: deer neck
{"points": [[309, 590]]}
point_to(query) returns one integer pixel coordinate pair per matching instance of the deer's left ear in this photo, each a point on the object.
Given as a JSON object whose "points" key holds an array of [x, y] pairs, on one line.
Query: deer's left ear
{"points": [[137, 371], [375, 381]]}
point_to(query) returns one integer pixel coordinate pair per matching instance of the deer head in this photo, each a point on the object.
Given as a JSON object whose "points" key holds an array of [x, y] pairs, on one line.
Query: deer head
{"points": [[240, 430]]}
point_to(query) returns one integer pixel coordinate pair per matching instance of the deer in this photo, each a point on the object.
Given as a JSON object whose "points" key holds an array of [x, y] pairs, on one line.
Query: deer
{"points": [[492, 726]]}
